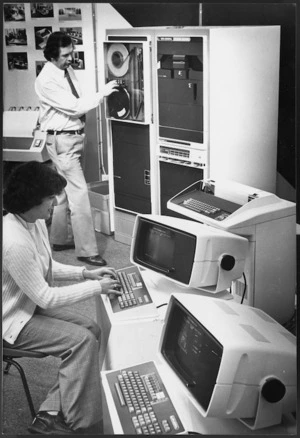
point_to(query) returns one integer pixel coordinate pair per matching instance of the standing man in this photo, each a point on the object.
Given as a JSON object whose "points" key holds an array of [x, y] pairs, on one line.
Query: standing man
{"points": [[62, 116]]}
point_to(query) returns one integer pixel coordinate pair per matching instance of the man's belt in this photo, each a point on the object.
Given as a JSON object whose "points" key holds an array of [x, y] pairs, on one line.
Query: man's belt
{"points": [[78, 132]]}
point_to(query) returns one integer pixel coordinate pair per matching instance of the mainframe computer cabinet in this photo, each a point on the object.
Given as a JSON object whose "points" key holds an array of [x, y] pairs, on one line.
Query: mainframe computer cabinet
{"points": [[207, 101]]}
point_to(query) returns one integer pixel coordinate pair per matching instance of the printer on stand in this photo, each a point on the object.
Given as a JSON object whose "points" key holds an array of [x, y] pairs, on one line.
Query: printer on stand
{"points": [[22, 141]]}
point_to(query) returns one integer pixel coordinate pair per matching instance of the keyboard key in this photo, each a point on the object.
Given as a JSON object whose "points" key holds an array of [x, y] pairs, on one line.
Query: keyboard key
{"points": [[166, 426], [174, 422]]}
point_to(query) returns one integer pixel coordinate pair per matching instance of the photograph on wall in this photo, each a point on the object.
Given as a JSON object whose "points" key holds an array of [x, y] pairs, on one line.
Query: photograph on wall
{"points": [[41, 10], [15, 37], [78, 61], [39, 66], [14, 12], [75, 33], [65, 13], [17, 61], [41, 36]]}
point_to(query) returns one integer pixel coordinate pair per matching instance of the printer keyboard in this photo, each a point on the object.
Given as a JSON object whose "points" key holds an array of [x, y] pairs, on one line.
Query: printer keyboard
{"points": [[142, 401], [200, 207], [133, 288]]}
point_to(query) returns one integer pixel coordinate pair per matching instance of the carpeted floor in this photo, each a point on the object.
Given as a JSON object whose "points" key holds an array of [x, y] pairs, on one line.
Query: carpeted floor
{"points": [[41, 373]]}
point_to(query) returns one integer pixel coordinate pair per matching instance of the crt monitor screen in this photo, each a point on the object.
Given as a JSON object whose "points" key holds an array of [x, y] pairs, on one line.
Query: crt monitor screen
{"points": [[160, 247], [193, 353]]}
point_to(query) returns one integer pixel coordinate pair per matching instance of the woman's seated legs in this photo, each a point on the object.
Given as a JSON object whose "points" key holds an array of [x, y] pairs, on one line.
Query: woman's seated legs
{"points": [[74, 339]]}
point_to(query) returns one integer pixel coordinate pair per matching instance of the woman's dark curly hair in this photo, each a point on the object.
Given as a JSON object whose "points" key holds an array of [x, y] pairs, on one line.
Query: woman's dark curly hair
{"points": [[55, 41], [28, 184]]}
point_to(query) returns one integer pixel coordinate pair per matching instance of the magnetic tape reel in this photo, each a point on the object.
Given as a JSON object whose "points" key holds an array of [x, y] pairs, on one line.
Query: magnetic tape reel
{"points": [[118, 59], [119, 103]]}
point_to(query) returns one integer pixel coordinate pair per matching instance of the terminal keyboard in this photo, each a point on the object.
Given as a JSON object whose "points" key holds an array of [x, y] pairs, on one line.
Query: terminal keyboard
{"points": [[142, 401], [133, 288]]}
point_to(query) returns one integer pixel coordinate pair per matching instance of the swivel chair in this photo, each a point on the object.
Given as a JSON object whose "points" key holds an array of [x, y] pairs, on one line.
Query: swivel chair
{"points": [[9, 354]]}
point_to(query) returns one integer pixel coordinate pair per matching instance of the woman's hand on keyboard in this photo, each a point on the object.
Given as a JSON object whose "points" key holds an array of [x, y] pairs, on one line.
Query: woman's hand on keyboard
{"points": [[99, 273], [110, 286], [107, 278]]}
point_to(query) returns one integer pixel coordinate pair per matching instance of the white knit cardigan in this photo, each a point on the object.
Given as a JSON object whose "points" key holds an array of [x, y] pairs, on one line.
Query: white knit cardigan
{"points": [[24, 285]]}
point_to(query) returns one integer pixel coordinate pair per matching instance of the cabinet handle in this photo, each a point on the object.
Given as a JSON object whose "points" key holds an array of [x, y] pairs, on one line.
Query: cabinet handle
{"points": [[117, 176], [194, 87], [195, 91]]}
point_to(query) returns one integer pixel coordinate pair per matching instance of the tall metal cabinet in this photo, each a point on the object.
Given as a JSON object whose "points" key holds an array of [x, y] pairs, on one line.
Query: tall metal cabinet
{"points": [[193, 102], [131, 164]]}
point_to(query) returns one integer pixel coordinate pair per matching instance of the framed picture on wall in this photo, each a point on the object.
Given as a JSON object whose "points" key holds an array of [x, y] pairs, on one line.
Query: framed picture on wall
{"points": [[15, 37], [67, 13], [17, 61], [14, 12], [78, 63], [41, 10], [75, 33], [41, 36]]}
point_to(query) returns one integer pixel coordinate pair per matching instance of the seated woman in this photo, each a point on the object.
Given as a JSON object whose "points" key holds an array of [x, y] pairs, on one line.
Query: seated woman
{"points": [[38, 315]]}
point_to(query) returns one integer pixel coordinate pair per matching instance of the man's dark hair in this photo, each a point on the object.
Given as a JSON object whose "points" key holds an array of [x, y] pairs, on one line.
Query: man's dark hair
{"points": [[55, 41], [28, 184]]}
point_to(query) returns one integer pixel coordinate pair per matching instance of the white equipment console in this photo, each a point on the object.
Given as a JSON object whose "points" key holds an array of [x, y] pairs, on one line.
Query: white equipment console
{"points": [[129, 332], [269, 224], [19, 144], [205, 380]]}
